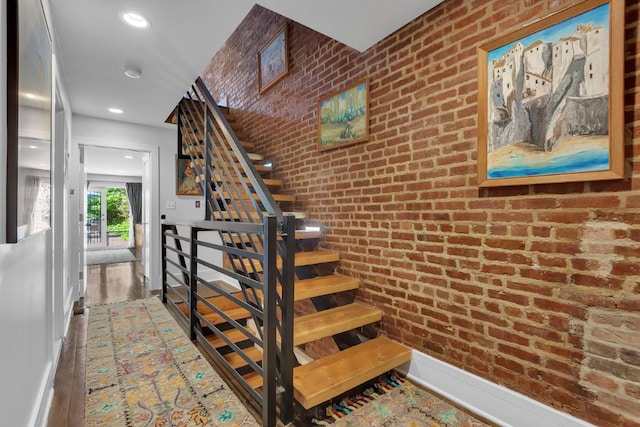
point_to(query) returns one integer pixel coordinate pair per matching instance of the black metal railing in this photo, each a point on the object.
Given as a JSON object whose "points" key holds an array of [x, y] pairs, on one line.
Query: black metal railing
{"points": [[256, 239]]}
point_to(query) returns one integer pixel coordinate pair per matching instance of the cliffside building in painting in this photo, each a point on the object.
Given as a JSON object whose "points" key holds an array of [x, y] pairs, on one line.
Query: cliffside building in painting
{"points": [[551, 87]]}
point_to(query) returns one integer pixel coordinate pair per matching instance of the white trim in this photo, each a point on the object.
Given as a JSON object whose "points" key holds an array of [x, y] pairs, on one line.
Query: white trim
{"points": [[488, 400], [41, 409]]}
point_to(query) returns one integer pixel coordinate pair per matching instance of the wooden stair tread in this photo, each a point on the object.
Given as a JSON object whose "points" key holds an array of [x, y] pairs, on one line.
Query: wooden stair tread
{"points": [[267, 181], [253, 379], [322, 379], [235, 335], [276, 197], [323, 285], [236, 361], [326, 323], [219, 301], [233, 216], [197, 148], [247, 145], [234, 313], [302, 259], [300, 235]]}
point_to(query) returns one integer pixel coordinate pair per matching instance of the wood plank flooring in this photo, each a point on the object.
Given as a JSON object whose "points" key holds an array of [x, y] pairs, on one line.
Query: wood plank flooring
{"points": [[105, 284]]}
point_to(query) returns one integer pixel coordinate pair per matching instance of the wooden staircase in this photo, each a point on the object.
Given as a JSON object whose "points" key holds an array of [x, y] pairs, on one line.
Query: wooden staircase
{"points": [[327, 377]]}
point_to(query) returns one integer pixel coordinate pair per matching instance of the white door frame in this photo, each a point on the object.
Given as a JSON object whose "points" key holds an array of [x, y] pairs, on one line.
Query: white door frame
{"points": [[151, 182]]}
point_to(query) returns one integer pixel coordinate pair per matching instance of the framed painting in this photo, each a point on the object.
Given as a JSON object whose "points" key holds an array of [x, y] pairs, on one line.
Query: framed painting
{"points": [[29, 120], [550, 99], [343, 117], [273, 60], [187, 182]]}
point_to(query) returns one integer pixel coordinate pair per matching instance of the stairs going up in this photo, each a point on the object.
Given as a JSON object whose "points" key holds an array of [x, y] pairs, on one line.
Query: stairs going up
{"points": [[325, 377]]}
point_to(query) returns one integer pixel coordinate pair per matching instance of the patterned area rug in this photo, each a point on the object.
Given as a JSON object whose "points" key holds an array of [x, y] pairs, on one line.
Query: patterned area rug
{"points": [[142, 370], [400, 404], [109, 256]]}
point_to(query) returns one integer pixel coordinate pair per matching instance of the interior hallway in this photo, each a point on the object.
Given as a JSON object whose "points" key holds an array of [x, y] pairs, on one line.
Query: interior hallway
{"points": [[106, 283]]}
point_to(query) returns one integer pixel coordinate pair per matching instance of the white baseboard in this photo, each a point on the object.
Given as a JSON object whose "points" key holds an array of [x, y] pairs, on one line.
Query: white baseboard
{"points": [[488, 400], [45, 397]]}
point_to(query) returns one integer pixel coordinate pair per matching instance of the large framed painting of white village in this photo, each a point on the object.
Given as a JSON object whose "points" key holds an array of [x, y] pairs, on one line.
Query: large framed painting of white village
{"points": [[550, 99]]}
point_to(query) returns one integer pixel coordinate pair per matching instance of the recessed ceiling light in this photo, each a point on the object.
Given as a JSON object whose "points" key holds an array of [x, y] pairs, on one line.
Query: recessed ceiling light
{"points": [[33, 147], [132, 73], [128, 157], [116, 110], [135, 20], [30, 96]]}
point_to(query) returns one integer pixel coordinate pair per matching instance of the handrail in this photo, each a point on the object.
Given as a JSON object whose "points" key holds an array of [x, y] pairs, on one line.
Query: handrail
{"points": [[259, 186], [238, 205], [264, 309]]}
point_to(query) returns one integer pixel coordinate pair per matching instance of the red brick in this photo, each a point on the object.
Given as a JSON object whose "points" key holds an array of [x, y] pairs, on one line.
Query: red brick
{"points": [[404, 210]]}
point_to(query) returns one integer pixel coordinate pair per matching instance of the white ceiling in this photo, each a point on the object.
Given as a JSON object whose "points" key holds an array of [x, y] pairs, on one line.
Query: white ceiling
{"points": [[94, 45]]}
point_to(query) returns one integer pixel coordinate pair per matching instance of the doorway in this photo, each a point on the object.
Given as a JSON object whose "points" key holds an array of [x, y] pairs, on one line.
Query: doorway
{"points": [[108, 215]]}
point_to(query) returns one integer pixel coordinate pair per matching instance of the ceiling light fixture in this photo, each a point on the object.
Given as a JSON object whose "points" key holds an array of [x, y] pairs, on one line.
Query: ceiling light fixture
{"points": [[135, 20], [132, 73], [30, 96], [128, 157], [116, 110]]}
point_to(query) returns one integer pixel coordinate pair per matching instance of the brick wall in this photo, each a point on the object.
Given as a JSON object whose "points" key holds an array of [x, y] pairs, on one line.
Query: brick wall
{"points": [[530, 286]]}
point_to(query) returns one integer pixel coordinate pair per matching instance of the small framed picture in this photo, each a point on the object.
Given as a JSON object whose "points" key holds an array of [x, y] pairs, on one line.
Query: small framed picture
{"points": [[273, 60], [343, 117], [187, 182]]}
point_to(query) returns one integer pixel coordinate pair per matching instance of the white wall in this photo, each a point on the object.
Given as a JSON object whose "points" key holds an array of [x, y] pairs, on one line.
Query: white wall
{"points": [[26, 353], [29, 351]]}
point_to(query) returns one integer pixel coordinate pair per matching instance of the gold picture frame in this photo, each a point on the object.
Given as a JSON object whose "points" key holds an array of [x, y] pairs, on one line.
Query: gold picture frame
{"points": [[343, 117], [273, 60], [187, 182], [550, 99]]}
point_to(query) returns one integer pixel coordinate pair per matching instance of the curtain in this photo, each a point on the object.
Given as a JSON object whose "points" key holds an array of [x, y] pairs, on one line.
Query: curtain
{"points": [[30, 196], [134, 194]]}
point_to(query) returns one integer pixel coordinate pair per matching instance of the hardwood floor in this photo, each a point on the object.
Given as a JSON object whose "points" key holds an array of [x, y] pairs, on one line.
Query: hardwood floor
{"points": [[105, 284]]}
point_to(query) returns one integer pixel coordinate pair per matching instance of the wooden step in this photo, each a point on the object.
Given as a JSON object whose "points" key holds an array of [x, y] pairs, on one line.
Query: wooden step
{"points": [[219, 301], [302, 259], [234, 335], [326, 323], [300, 235], [253, 379], [277, 197], [234, 313], [323, 285], [258, 167], [233, 216], [248, 145], [322, 379], [267, 181], [197, 149], [236, 361]]}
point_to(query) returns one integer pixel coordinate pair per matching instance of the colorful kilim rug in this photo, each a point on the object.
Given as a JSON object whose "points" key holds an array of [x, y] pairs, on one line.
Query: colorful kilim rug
{"points": [[142, 370], [405, 405]]}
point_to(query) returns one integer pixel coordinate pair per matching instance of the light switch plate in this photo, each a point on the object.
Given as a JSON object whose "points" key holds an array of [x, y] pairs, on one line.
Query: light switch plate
{"points": [[170, 204]]}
